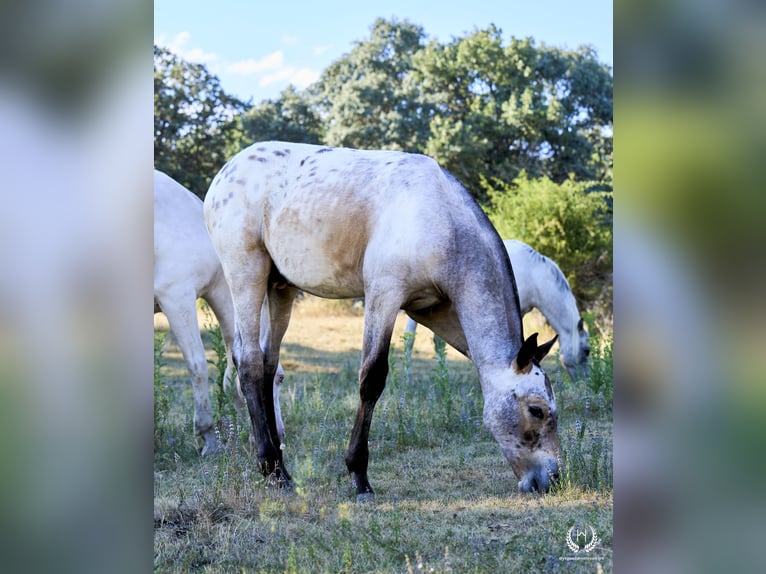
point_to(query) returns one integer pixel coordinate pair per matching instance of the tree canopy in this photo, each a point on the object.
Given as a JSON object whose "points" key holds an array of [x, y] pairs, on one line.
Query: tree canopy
{"points": [[527, 128], [196, 124], [481, 106]]}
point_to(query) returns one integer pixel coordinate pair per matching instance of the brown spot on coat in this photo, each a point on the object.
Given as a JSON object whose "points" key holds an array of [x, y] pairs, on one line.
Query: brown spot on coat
{"points": [[526, 370]]}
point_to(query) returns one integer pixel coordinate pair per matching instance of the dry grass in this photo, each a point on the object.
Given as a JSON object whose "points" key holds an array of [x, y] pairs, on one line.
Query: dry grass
{"points": [[446, 499]]}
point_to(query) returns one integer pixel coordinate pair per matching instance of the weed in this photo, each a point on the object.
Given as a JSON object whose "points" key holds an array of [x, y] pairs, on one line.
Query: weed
{"points": [[162, 393], [601, 380], [441, 379], [223, 403], [440, 479]]}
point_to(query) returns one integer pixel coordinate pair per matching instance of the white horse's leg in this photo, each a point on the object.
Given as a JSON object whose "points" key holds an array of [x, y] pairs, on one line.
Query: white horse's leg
{"points": [[219, 298], [379, 319], [181, 312]]}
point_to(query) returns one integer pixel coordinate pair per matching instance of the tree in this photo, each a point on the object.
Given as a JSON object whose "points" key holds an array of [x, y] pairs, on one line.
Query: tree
{"points": [[195, 121], [367, 99], [289, 118], [497, 110]]}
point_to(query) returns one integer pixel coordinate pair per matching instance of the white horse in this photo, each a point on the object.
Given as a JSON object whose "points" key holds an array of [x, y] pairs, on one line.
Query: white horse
{"points": [[185, 269], [542, 285], [400, 231]]}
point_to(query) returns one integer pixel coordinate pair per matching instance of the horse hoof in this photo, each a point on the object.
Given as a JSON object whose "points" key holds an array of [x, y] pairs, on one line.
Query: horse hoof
{"points": [[365, 497]]}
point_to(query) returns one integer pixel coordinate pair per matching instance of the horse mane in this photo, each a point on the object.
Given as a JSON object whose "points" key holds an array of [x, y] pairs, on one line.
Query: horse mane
{"points": [[560, 279]]}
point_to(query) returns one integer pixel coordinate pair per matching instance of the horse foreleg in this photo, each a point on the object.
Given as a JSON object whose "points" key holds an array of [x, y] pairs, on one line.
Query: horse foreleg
{"points": [[378, 328], [181, 312]]}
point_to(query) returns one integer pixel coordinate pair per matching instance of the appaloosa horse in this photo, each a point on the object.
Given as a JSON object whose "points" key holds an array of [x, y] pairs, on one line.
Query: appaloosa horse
{"points": [[399, 230], [542, 285], [185, 269]]}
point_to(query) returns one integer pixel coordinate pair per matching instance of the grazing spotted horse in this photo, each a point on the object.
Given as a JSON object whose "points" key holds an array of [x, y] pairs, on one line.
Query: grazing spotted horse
{"points": [[186, 268], [542, 285], [400, 231]]}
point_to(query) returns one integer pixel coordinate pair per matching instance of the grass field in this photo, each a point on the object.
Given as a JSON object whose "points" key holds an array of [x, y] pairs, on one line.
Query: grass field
{"points": [[446, 499]]}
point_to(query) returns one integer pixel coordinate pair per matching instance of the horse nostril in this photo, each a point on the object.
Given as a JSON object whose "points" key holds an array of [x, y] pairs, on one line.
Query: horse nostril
{"points": [[587, 352]]}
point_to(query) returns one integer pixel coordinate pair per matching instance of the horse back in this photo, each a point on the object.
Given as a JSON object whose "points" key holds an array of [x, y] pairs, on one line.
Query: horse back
{"points": [[182, 248], [331, 218]]}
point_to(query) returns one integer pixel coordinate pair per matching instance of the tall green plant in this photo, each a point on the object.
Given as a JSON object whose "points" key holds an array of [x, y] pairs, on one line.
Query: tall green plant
{"points": [[162, 393]]}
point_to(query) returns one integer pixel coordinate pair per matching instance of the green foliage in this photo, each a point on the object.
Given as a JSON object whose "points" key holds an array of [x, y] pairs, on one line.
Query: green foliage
{"points": [[497, 109], [367, 98], [288, 118], [440, 377], [162, 393], [195, 125], [482, 106], [223, 404], [566, 222], [601, 379], [586, 457], [586, 449]]}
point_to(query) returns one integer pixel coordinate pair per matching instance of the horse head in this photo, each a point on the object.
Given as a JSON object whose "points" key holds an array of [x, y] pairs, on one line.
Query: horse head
{"points": [[575, 357], [520, 411]]}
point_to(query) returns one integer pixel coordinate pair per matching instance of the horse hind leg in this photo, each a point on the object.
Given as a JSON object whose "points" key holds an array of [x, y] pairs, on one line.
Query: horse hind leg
{"points": [[380, 316], [275, 317], [255, 367]]}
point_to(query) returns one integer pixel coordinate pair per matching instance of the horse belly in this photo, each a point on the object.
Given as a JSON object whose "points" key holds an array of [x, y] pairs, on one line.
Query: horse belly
{"points": [[320, 254]]}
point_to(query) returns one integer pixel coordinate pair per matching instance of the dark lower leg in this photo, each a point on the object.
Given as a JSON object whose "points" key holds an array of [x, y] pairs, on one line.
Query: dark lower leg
{"points": [[357, 455], [373, 380], [258, 391]]}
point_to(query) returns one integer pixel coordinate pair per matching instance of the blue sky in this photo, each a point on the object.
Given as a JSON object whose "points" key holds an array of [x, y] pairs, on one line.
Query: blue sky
{"points": [[257, 48]]}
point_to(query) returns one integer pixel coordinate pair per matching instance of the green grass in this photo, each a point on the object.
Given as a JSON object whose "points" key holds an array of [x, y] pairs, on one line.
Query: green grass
{"points": [[446, 498]]}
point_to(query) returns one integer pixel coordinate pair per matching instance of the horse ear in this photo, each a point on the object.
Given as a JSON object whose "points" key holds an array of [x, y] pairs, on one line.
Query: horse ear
{"points": [[527, 352], [543, 349]]}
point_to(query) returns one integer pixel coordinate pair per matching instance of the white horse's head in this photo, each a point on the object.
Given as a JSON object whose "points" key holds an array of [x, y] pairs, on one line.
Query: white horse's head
{"points": [[574, 357], [520, 411]]}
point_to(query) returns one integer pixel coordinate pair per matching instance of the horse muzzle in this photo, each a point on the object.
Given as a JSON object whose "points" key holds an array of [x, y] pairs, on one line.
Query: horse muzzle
{"points": [[541, 477]]}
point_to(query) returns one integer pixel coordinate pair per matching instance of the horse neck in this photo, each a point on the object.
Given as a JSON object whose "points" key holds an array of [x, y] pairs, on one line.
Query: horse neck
{"points": [[558, 305], [487, 305]]}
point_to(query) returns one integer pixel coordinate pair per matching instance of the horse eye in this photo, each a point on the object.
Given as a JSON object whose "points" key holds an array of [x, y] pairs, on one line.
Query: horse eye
{"points": [[536, 412]]}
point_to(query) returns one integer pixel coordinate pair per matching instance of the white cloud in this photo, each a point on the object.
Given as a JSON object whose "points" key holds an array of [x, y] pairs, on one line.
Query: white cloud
{"points": [[299, 78], [178, 45], [248, 67], [304, 77], [279, 76]]}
